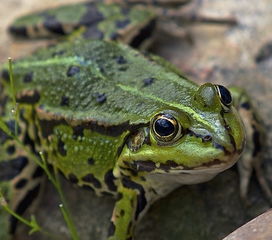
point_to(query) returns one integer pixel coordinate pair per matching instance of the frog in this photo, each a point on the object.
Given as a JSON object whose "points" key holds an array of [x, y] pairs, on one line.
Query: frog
{"points": [[104, 116]]}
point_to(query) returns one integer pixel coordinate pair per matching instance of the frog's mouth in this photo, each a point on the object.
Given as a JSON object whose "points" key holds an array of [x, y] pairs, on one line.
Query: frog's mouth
{"points": [[170, 167]]}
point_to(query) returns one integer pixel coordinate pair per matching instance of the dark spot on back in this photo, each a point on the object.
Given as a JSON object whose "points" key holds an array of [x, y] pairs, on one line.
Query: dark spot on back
{"points": [[148, 81], [90, 178], [28, 77], [90, 161], [100, 97], [122, 23], [61, 148], [72, 70], [120, 60], [11, 149], [73, 178], [21, 183], [92, 15], [53, 25], [114, 36], [58, 53], [64, 101], [19, 31], [109, 180]]}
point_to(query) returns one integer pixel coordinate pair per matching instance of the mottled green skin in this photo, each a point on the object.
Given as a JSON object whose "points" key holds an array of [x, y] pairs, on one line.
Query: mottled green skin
{"points": [[90, 20], [97, 110]]}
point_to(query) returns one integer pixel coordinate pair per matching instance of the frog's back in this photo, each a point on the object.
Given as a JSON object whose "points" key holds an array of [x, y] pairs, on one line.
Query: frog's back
{"points": [[99, 81]]}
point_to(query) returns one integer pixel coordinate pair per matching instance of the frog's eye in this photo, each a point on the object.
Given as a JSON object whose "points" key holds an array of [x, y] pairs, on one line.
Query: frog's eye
{"points": [[166, 128], [224, 94]]}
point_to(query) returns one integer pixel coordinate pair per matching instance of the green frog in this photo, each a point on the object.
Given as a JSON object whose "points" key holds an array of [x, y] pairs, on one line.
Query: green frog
{"points": [[114, 120]]}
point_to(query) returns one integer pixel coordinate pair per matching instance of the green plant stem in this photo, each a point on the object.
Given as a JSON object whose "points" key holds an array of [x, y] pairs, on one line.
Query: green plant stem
{"points": [[14, 110]]}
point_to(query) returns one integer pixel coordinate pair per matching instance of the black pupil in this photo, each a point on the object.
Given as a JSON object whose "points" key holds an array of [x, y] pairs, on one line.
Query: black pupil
{"points": [[164, 127], [225, 95]]}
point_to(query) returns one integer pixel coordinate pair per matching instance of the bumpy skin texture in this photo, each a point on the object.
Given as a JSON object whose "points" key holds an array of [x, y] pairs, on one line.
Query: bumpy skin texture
{"points": [[90, 109]]}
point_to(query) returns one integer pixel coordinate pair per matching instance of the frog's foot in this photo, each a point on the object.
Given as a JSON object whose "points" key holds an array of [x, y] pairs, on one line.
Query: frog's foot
{"points": [[128, 209], [254, 149], [189, 13]]}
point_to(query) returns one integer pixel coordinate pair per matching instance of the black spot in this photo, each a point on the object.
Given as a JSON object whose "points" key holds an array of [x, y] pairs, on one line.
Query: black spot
{"points": [[93, 32], [38, 173], [87, 187], [148, 81], [73, 178], [53, 25], [58, 53], [114, 36], [61, 148], [111, 229], [64, 101], [28, 141], [11, 149], [122, 23], [78, 132], [264, 53], [141, 200], [20, 184], [32, 97], [245, 105], [168, 165], [109, 180], [28, 77], [144, 34], [146, 165], [90, 178], [19, 31], [90, 161], [5, 74], [122, 212], [120, 60], [92, 15], [72, 70], [12, 167], [23, 205], [100, 97]]}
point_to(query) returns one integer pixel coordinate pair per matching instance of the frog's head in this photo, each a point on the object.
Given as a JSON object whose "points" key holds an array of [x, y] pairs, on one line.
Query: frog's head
{"points": [[202, 138]]}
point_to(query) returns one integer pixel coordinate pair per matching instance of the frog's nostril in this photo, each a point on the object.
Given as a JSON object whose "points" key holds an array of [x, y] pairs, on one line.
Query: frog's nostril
{"points": [[207, 138]]}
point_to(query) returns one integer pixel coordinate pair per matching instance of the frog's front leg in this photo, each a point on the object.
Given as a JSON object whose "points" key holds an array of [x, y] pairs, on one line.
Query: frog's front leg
{"points": [[131, 204], [255, 142]]}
